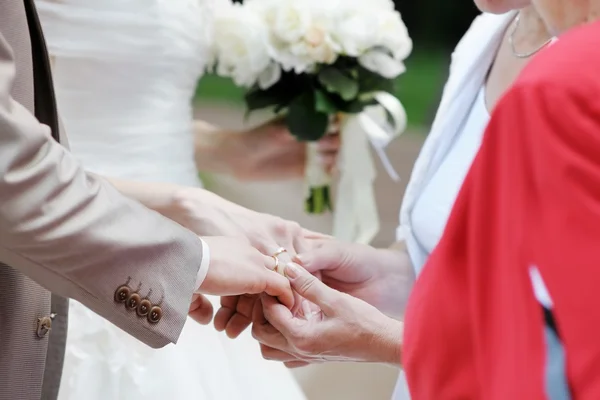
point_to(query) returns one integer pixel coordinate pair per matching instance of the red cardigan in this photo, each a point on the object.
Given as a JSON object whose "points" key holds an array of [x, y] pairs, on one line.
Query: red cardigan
{"points": [[474, 329]]}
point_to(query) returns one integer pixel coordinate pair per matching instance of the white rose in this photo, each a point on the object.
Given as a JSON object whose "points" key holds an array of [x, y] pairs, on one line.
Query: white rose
{"points": [[289, 20], [320, 44], [393, 35], [381, 63], [382, 4], [356, 31], [300, 33], [241, 45]]}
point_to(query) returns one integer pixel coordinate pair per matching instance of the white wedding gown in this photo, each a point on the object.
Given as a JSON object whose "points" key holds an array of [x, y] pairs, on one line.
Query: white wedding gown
{"points": [[125, 73]]}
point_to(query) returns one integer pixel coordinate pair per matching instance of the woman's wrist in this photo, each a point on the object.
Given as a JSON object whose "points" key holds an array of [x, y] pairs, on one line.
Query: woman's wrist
{"points": [[213, 149], [397, 271], [387, 346]]}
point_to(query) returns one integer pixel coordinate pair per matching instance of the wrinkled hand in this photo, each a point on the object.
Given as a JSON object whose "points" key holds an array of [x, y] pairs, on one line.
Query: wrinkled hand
{"points": [[237, 268], [346, 329], [381, 277]]}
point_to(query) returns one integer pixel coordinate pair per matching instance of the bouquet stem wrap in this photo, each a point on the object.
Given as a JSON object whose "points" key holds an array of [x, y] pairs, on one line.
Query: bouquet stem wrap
{"points": [[356, 218], [318, 198]]}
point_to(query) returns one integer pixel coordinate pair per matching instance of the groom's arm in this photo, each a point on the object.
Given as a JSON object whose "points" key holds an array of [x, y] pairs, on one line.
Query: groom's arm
{"points": [[79, 237]]}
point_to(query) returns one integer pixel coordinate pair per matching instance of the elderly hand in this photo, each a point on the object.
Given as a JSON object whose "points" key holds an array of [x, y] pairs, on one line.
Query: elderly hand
{"points": [[381, 277], [265, 152], [346, 329]]}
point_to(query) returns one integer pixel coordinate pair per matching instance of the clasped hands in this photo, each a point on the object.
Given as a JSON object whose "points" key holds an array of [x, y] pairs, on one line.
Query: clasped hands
{"points": [[334, 301]]}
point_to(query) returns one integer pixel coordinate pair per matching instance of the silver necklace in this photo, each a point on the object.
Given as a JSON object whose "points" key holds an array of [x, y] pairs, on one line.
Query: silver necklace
{"points": [[511, 41]]}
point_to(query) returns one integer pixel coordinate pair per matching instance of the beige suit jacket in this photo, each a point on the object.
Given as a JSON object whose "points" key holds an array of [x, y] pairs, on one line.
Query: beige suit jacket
{"points": [[66, 234]]}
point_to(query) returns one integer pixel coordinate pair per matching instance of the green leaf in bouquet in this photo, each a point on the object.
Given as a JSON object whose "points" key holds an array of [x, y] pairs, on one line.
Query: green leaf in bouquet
{"points": [[370, 81], [324, 103], [279, 95], [257, 99], [356, 106], [304, 121], [335, 81]]}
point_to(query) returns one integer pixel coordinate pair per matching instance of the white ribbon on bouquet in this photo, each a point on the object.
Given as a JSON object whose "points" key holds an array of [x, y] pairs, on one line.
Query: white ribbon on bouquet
{"points": [[355, 210]]}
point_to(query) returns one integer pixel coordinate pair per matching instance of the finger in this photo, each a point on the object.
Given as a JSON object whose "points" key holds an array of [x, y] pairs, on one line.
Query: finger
{"points": [[236, 325], [264, 332], [283, 257], [258, 316], [285, 249], [226, 312], [270, 353], [306, 240], [329, 142], [277, 315], [327, 160], [311, 288], [296, 364], [278, 286], [335, 125], [277, 122], [322, 257], [201, 309], [243, 316], [298, 304], [273, 263], [308, 234]]}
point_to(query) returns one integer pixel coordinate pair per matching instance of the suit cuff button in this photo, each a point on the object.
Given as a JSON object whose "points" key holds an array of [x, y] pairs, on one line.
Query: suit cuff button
{"points": [[133, 301], [144, 308], [155, 314], [122, 294]]}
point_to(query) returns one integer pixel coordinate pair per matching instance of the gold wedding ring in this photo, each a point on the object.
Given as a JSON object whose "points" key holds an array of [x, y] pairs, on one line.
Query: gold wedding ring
{"points": [[279, 251], [277, 267]]}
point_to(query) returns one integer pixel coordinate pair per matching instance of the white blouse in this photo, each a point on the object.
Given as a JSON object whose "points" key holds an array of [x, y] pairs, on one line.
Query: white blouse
{"points": [[433, 206]]}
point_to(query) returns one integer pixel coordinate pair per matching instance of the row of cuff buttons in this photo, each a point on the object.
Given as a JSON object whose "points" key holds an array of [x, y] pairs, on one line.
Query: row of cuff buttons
{"points": [[133, 301]]}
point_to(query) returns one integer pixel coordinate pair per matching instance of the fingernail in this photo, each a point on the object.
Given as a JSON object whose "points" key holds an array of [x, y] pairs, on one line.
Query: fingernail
{"points": [[291, 270], [300, 259]]}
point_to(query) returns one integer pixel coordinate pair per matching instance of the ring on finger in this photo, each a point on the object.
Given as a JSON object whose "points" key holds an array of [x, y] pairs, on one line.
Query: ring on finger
{"points": [[276, 267], [279, 251]]}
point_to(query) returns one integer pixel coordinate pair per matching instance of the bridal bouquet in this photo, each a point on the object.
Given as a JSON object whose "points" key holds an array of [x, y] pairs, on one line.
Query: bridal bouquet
{"points": [[315, 60]]}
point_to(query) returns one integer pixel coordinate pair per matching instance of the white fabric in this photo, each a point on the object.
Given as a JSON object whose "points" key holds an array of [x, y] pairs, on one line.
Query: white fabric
{"points": [[355, 214], [539, 288], [471, 62], [125, 74], [204, 265], [432, 209]]}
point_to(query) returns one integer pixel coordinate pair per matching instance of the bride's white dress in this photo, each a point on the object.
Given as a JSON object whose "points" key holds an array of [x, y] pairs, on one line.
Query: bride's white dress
{"points": [[125, 73]]}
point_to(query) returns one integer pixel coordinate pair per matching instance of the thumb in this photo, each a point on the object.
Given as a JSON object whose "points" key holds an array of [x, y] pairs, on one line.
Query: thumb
{"points": [[321, 258], [311, 288]]}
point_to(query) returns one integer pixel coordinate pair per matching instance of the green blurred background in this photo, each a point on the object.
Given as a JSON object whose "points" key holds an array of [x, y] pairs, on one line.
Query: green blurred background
{"points": [[434, 25]]}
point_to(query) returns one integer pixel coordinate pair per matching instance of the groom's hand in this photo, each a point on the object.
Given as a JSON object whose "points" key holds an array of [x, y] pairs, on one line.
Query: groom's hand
{"points": [[237, 268], [235, 314]]}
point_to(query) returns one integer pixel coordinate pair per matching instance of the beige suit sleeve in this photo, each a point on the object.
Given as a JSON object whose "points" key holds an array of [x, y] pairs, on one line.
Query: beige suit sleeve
{"points": [[76, 235]]}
